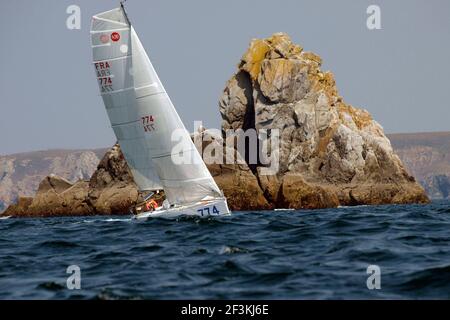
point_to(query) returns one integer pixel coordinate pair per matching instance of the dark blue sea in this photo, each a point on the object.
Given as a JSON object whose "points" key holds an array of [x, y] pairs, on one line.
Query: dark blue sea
{"points": [[320, 254]]}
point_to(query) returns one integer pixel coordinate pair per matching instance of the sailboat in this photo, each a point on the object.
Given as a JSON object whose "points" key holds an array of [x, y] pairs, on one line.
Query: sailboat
{"points": [[143, 119]]}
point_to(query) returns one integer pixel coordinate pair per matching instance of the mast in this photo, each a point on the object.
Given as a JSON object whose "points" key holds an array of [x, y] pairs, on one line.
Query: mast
{"points": [[124, 12]]}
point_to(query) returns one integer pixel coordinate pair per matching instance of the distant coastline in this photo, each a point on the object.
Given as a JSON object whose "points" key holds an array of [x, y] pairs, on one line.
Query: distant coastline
{"points": [[40, 164]]}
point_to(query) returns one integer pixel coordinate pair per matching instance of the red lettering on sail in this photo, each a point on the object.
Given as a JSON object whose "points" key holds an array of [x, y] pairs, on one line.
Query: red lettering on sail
{"points": [[102, 65], [105, 81], [148, 123]]}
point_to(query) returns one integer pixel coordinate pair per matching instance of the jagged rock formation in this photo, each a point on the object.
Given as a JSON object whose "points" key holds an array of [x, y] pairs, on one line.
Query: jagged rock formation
{"points": [[55, 197], [330, 152], [21, 174], [236, 180], [111, 190]]}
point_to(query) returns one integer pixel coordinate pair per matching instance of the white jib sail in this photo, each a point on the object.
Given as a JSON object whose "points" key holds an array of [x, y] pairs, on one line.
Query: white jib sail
{"points": [[142, 116]]}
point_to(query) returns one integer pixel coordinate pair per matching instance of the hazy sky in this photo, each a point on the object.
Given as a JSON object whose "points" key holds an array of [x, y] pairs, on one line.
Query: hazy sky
{"points": [[50, 99]]}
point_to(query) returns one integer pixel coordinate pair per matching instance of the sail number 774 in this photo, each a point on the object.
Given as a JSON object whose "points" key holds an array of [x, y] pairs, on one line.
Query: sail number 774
{"points": [[148, 123], [208, 211]]}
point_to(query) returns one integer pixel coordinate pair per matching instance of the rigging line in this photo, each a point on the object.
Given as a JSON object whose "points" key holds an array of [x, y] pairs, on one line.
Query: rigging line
{"points": [[124, 12]]}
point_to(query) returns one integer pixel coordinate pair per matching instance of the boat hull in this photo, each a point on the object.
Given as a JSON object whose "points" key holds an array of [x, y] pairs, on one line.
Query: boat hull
{"points": [[202, 209]]}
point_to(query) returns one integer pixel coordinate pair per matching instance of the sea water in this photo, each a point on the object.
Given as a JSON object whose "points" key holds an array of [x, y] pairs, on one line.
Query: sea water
{"points": [[304, 254]]}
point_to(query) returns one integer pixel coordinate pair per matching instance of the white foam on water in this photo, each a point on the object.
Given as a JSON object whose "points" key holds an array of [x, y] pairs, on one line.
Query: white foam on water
{"points": [[231, 250], [4, 218], [88, 221], [117, 220], [358, 206], [104, 220]]}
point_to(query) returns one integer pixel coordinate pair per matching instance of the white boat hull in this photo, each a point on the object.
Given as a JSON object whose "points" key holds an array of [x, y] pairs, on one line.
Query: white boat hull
{"points": [[202, 209]]}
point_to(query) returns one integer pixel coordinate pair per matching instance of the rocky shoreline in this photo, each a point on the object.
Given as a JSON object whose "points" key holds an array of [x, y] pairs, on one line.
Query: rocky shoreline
{"points": [[331, 154]]}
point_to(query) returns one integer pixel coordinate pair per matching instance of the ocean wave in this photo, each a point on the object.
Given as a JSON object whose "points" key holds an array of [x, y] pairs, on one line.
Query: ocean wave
{"points": [[432, 278], [147, 248], [117, 220], [57, 244], [50, 286], [232, 250], [288, 254]]}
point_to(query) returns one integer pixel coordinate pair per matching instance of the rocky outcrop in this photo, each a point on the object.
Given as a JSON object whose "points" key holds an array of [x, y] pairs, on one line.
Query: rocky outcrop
{"points": [[20, 208], [55, 197], [330, 153], [111, 188], [21, 174], [236, 180]]}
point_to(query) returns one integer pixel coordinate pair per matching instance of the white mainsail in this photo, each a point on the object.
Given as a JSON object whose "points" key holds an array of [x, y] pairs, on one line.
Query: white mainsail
{"points": [[142, 115]]}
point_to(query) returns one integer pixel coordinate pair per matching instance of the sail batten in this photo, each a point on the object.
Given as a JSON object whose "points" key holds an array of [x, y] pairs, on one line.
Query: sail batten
{"points": [[142, 115], [111, 59]]}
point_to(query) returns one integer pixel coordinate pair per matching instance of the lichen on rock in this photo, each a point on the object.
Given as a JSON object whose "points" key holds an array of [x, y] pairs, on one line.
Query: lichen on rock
{"points": [[329, 146]]}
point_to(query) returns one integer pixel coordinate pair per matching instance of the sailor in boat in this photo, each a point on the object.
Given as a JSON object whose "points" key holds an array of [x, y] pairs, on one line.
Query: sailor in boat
{"points": [[150, 202], [151, 205]]}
